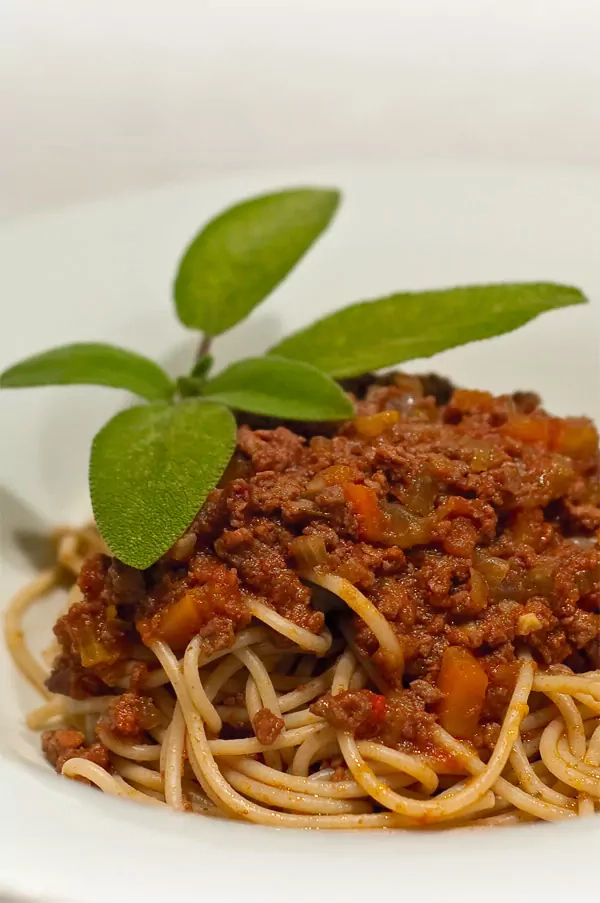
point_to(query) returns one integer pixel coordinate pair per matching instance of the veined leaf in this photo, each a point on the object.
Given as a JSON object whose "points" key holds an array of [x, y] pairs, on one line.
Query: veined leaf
{"points": [[89, 363], [151, 468], [239, 257], [374, 334], [275, 387]]}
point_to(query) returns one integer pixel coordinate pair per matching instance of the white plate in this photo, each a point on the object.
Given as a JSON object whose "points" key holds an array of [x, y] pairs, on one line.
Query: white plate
{"points": [[103, 272]]}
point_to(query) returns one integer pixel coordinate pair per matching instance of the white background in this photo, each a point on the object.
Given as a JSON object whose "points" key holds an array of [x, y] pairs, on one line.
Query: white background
{"points": [[99, 97]]}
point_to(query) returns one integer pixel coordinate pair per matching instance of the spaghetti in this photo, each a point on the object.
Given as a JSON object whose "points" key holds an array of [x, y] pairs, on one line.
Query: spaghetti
{"points": [[444, 689], [203, 773]]}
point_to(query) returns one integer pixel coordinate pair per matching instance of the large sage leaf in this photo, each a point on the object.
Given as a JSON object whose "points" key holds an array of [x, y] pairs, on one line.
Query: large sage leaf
{"points": [[91, 363], [151, 468], [374, 334], [276, 387], [239, 257]]}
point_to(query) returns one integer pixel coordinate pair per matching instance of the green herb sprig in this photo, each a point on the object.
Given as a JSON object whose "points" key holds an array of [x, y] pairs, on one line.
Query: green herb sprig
{"points": [[153, 465]]}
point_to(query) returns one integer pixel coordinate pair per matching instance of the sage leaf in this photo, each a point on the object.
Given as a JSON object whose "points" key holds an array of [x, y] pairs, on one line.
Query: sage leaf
{"points": [[151, 468], [239, 257], [275, 387], [91, 364], [374, 334]]}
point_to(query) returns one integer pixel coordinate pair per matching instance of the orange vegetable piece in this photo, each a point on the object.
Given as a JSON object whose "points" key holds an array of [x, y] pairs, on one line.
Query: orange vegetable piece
{"points": [[177, 624], [471, 401], [365, 506], [375, 424], [527, 428], [575, 437], [464, 683]]}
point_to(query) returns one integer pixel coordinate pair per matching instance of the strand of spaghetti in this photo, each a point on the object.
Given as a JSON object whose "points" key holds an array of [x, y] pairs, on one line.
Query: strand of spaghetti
{"points": [[235, 714], [294, 801], [13, 628], [252, 698], [411, 765], [195, 688], [539, 718], [366, 663], [339, 790], [219, 677], [366, 611], [272, 757], [530, 781], [567, 683], [315, 687], [504, 820], [148, 792], [131, 771], [359, 679], [164, 702], [261, 678], [317, 643], [93, 706], [251, 636], [309, 750], [108, 783], [68, 556], [173, 761], [502, 788], [250, 746], [592, 705], [564, 751], [592, 756], [574, 777], [531, 745], [40, 717], [585, 806], [205, 787], [438, 809], [158, 678], [139, 752], [567, 707], [228, 796]]}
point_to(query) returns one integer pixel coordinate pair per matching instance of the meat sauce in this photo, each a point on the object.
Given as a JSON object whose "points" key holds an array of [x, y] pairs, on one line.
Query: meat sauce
{"points": [[470, 522]]}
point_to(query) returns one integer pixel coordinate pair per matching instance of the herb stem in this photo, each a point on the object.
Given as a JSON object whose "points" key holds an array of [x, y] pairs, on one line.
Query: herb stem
{"points": [[204, 346]]}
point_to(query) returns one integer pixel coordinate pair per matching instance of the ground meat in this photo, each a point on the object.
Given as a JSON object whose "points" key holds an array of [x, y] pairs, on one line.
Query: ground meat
{"points": [[367, 715], [130, 715], [267, 726], [466, 520], [92, 635], [63, 744]]}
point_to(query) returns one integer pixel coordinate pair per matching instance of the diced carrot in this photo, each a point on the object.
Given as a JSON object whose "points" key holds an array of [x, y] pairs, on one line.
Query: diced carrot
{"points": [[365, 506], [375, 424], [176, 625], [463, 682], [528, 428], [575, 437], [471, 401]]}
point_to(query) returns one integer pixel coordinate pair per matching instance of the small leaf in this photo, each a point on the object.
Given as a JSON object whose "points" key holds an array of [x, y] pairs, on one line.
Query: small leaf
{"points": [[190, 386], [239, 257], [374, 334], [275, 387], [91, 364], [151, 468], [202, 365]]}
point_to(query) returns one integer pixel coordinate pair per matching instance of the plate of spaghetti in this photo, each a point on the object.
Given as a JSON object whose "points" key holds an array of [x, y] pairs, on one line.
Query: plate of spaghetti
{"points": [[338, 588]]}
